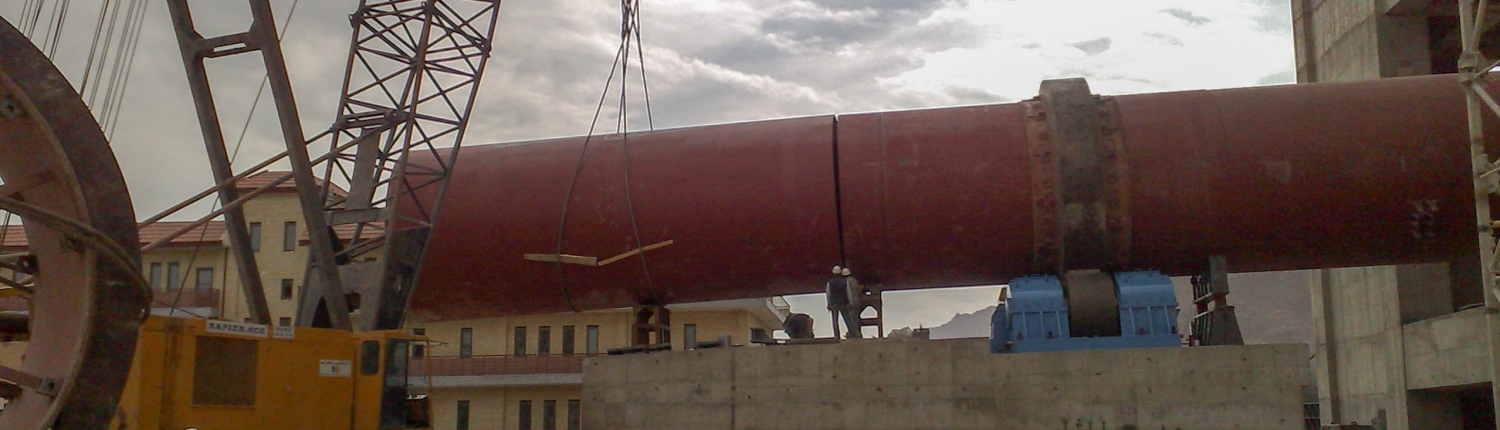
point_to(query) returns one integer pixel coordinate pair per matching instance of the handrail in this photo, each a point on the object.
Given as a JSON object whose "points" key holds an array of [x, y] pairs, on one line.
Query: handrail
{"points": [[481, 365]]}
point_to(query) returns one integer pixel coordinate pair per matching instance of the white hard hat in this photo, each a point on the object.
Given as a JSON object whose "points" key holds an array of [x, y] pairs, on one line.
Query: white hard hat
{"points": [[836, 270], [844, 272]]}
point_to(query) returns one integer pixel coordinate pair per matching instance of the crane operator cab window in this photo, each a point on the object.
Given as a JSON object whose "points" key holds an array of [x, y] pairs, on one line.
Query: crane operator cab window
{"points": [[398, 409]]}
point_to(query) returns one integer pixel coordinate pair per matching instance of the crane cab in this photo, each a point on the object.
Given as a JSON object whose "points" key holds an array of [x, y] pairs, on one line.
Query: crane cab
{"points": [[208, 374], [382, 398]]}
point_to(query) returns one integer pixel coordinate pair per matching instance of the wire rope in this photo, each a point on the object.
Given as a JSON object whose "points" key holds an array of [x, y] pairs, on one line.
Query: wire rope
{"points": [[629, 22]]}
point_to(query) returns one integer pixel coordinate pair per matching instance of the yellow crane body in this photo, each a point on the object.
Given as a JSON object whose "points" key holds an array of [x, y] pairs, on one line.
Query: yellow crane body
{"points": [[208, 374]]}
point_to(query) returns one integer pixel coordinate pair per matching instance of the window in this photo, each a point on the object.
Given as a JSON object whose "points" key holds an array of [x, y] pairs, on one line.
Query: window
{"points": [[462, 418], [419, 349], [549, 415], [156, 276], [286, 289], [205, 279], [289, 236], [369, 357], [523, 416], [575, 414], [255, 236], [395, 363], [689, 336], [591, 343], [465, 342], [284, 322], [567, 340], [173, 269], [520, 343], [1310, 416], [224, 371], [544, 340]]}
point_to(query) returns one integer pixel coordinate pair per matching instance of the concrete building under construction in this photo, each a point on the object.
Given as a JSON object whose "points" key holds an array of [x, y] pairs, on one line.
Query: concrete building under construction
{"points": [[1406, 346]]}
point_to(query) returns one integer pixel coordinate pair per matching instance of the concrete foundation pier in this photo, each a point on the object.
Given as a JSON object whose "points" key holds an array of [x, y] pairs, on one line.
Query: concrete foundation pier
{"points": [[947, 384]]}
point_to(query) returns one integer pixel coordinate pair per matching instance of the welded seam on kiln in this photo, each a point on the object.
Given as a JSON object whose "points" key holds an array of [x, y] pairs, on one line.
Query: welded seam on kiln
{"points": [[838, 197]]}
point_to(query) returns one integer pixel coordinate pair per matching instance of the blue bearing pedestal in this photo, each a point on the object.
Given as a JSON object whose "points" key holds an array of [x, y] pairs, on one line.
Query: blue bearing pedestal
{"points": [[1035, 316]]}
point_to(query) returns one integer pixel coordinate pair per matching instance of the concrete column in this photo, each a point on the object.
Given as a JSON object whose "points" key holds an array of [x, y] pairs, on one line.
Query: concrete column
{"points": [[1325, 351], [1361, 364]]}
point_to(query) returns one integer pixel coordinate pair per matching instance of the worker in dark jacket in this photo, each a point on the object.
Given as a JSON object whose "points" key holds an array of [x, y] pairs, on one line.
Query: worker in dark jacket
{"points": [[837, 293], [840, 304]]}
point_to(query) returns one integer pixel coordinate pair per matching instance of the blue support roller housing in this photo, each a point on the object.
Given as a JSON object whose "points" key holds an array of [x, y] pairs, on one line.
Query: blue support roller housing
{"points": [[1034, 316]]}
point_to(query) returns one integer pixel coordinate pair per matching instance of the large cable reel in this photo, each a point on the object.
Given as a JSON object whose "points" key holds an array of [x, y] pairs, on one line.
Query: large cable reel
{"points": [[87, 296]]}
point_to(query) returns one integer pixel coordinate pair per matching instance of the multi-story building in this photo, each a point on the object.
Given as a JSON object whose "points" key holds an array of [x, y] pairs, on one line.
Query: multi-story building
{"points": [[522, 372], [526, 372]]}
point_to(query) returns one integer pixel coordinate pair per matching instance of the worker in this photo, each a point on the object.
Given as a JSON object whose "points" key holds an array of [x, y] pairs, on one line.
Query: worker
{"points": [[837, 293], [856, 294]]}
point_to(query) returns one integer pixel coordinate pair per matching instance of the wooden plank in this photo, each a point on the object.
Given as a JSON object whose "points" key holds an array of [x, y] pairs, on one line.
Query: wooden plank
{"points": [[591, 261], [634, 252], [564, 258]]}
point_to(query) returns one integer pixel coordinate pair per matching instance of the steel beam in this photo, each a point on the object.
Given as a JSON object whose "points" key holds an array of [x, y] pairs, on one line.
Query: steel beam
{"points": [[195, 49], [320, 238]]}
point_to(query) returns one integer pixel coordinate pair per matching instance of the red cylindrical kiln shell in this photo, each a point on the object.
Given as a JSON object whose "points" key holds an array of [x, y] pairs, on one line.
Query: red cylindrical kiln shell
{"points": [[1273, 178]]}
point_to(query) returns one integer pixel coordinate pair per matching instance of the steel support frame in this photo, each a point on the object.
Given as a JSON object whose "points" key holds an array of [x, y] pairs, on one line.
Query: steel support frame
{"points": [[1474, 75], [195, 49], [413, 71]]}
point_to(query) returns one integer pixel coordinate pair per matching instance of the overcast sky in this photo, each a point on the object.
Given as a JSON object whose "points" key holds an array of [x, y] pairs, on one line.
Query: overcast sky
{"points": [[708, 61]]}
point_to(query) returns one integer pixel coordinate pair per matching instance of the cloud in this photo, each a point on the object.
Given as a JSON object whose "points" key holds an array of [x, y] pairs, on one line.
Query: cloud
{"points": [[1276, 16], [1187, 16], [1093, 47], [836, 24], [707, 61], [1148, 50]]}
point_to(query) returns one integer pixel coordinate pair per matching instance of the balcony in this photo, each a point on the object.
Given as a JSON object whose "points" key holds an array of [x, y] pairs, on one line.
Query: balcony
{"points": [[191, 302], [185, 298], [498, 370]]}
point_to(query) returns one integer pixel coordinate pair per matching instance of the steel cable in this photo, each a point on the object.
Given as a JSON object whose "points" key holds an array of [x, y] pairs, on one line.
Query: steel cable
{"points": [[629, 22]]}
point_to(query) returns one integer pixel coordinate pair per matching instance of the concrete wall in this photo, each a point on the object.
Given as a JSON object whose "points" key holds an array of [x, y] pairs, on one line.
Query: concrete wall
{"points": [[1341, 40], [1446, 351], [946, 384]]}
